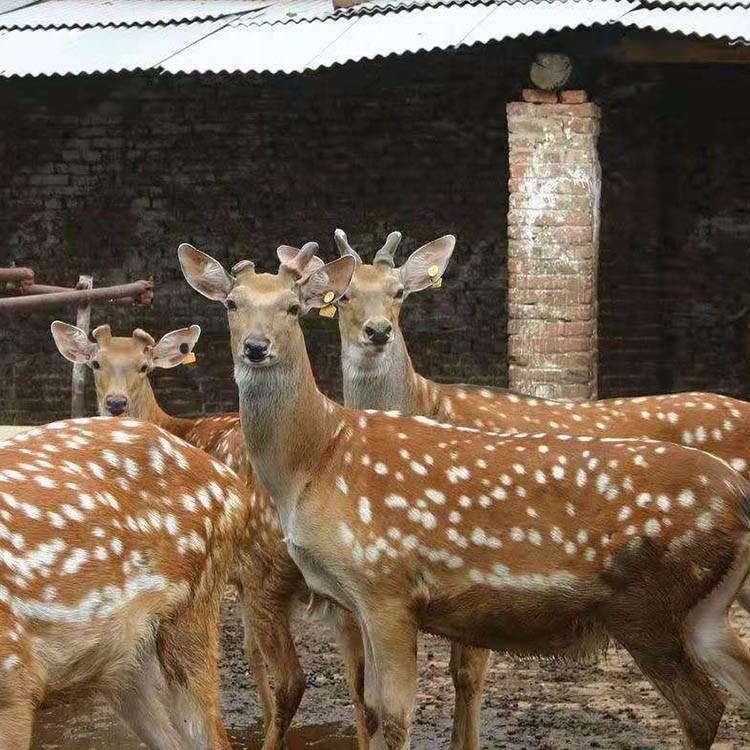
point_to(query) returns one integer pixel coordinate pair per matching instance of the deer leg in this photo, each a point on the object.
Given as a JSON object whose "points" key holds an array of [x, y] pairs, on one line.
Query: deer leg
{"points": [[667, 663], [181, 681], [16, 710], [274, 639], [142, 706], [254, 658], [713, 642], [392, 638], [349, 636], [468, 666]]}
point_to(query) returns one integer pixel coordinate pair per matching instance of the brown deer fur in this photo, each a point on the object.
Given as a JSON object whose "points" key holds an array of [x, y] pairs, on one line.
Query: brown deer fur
{"points": [[116, 542], [380, 375]]}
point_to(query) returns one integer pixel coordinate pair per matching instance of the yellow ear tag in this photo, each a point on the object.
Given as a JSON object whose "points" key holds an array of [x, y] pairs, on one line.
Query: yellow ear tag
{"points": [[328, 297], [437, 283], [329, 311], [433, 271], [189, 359]]}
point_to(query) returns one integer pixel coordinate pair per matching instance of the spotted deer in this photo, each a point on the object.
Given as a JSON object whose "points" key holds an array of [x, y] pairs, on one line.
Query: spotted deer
{"points": [[116, 539], [378, 374], [541, 544], [270, 585]]}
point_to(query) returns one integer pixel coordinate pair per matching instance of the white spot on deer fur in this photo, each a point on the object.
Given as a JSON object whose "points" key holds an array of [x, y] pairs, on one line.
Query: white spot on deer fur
{"points": [[624, 513], [435, 495], [517, 534], [464, 501], [77, 558], [428, 520], [45, 482], [417, 468], [643, 499], [581, 478], [396, 501], [535, 537], [663, 503], [687, 437], [705, 521], [342, 485], [519, 468], [570, 509], [72, 513], [454, 516], [652, 527], [556, 535], [738, 464], [457, 473], [558, 472], [686, 498], [365, 511], [589, 554], [540, 476], [10, 662], [381, 468], [188, 502], [531, 512], [570, 548], [602, 482]]}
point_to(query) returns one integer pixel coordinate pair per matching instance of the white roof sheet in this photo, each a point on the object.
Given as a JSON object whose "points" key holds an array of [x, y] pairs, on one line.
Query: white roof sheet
{"points": [[732, 24], [285, 36], [75, 14]]}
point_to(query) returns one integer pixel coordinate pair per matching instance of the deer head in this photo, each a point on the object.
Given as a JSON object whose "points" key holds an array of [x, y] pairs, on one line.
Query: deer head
{"points": [[264, 309], [121, 364], [370, 309]]}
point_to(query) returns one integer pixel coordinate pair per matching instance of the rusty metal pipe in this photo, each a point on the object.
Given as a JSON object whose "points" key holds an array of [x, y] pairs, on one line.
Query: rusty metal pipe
{"points": [[48, 289], [16, 274], [140, 290]]}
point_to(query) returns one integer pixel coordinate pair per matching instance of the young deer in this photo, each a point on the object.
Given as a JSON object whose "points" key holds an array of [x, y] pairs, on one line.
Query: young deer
{"points": [[378, 374], [540, 544], [269, 583], [116, 540]]}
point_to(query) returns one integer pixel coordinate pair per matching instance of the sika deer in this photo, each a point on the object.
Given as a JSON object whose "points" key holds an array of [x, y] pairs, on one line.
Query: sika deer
{"points": [[269, 583], [116, 540], [538, 544], [378, 374]]}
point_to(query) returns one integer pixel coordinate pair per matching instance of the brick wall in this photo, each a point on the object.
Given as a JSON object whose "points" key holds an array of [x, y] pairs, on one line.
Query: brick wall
{"points": [[107, 174]]}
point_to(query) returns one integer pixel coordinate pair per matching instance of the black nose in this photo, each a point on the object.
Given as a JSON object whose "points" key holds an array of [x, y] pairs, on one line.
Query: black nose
{"points": [[116, 405], [255, 351], [378, 332]]}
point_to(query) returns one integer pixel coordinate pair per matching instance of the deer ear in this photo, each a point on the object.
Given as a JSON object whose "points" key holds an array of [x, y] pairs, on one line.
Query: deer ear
{"points": [[204, 273], [326, 285], [173, 347], [427, 264], [73, 343]]}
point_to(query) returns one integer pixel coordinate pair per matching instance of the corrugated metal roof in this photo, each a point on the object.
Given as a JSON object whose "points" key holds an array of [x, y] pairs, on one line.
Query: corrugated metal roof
{"points": [[81, 14], [244, 47], [284, 36], [732, 24]]}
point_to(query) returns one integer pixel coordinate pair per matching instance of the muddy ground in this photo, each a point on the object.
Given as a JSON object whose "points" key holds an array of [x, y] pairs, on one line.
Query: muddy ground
{"points": [[526, 705]]}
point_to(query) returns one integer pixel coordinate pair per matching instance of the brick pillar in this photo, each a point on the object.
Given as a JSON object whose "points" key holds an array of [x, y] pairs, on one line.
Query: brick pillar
{"points": [[553, 243]]}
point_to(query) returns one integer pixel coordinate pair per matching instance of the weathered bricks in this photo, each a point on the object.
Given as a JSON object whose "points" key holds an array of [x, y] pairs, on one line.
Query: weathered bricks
{"points": [[553, 228]]}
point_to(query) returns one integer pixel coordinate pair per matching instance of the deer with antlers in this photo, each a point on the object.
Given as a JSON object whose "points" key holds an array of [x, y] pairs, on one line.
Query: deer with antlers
{"points": [[543, 543], [116, 539], [378, 374], [270, 585]]}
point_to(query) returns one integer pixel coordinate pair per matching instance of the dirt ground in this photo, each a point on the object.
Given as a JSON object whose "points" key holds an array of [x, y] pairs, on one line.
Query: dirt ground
{"points": [[527, 704]]}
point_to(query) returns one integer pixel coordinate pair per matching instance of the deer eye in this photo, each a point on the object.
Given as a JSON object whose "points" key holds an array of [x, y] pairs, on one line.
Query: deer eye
{"points": [[144, 368], [345, 300], [231, 304], [293, 310], [399, 294], [95, 364]]}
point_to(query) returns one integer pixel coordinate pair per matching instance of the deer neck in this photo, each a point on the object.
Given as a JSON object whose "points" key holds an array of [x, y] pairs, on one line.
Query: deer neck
{"points": [[146, 408], [389, 383], [288, 426]]}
